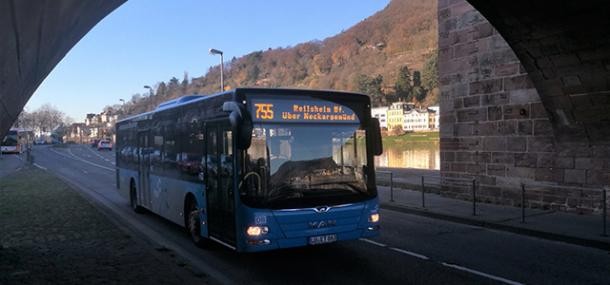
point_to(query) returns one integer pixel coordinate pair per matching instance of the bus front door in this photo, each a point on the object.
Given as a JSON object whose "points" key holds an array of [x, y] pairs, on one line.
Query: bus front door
{"points": [[144, 170], [220, 194]]}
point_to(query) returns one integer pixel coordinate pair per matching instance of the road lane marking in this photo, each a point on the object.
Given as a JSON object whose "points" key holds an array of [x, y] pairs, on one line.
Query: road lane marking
{"points": [[373, 242], [78, 158], [60, 154], [420, 256], [476, 272], [40, 166], [98, 155], [89, 162], [454, 266]]}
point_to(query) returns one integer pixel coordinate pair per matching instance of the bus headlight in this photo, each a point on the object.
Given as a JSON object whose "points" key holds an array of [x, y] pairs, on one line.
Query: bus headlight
{"points": [[374, 218], [255, 231]]}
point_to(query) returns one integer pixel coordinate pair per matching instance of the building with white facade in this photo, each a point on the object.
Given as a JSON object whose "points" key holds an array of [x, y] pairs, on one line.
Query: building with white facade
{"points": [[407, 116], [396, 113], [434, 117], [381, 114], [416, 120]]}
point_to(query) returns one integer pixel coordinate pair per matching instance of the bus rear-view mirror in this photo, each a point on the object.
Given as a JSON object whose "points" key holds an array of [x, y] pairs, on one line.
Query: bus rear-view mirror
{"points": [[241, 122], [376, 137]]}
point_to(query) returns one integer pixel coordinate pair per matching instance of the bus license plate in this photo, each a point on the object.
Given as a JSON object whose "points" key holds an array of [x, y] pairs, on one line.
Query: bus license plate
{"points": [[322, 239]]}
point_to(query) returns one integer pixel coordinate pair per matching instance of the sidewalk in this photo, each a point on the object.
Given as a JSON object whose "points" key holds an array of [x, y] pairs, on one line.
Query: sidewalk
{"points": [[585, 230], [49, 234]]}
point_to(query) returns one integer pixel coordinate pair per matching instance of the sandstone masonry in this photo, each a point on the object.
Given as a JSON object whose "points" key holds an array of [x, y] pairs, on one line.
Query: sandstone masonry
{"points": [[495, 129]]}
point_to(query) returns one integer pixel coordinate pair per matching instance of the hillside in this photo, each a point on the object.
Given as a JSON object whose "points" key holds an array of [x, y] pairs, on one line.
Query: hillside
{"points": [[402, 34]]}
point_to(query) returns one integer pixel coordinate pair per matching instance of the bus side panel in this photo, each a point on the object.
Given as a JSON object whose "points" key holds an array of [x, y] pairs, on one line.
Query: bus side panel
{"points": [[169, 194], [125, 176]]}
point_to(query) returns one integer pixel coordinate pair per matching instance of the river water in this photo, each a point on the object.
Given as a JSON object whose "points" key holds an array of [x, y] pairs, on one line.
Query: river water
{"points": [[411, 155]]}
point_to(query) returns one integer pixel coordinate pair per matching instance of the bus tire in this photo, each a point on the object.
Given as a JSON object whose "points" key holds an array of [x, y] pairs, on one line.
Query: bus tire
{"points": [[133, 198], [193, 222]]}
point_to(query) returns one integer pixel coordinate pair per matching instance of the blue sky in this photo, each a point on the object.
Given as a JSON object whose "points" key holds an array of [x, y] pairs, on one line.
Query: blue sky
{"points": [[144, 42]]}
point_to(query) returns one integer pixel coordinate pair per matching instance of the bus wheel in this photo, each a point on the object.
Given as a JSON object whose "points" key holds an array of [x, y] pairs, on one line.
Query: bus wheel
{"points": [[193, 223], [133, 199]]}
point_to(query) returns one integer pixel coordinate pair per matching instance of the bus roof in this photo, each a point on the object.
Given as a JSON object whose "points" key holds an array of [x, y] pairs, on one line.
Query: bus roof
{"points": [[20, 130], [237, 92]]}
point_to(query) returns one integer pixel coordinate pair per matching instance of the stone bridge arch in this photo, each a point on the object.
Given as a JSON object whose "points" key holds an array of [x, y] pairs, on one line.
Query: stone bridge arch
{"points": [[531, 106], [34, 36], [525, 98]]}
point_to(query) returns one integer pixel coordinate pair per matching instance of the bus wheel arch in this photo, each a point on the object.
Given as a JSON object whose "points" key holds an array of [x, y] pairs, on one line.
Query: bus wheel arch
{"points": [[192, 220], [133, 197]]}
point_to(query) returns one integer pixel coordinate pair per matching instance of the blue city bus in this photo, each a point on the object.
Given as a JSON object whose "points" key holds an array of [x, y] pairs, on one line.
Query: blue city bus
{"points": [[255, 169]]}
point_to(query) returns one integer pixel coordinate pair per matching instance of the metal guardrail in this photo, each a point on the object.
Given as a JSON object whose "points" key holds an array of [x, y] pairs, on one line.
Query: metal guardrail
{"points": [[391, 182], [605, 212], [603, 196], [423, 192], [522, 203], [473, 184]]}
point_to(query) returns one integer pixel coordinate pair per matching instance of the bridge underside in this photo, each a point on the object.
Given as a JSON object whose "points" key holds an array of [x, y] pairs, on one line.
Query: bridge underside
{"points": [[525, 99], [565, 48], [34, 36], [530, 106]]}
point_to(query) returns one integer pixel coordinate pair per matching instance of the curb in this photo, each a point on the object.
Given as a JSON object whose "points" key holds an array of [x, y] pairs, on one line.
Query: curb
{"points": [[497, 226]]}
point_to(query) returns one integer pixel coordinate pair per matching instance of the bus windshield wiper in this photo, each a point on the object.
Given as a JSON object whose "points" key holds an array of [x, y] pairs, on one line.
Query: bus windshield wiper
{"points": [[285, 191], [344, 185]]}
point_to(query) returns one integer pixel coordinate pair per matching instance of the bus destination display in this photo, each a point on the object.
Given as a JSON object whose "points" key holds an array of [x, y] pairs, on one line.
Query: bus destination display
{"points": [[277, 110]]}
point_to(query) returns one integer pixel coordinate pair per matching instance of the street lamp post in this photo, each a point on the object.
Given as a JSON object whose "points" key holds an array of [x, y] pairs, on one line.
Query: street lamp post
{"points": [[122, 107], [150, 89], [222, 83]]}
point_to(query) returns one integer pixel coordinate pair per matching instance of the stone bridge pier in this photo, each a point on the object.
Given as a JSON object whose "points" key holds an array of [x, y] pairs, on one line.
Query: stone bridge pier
{"points": [[525, 98]]}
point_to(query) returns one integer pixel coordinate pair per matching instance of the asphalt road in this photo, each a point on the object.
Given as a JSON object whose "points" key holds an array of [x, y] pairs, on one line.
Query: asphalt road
{"points": [[410, 250]]}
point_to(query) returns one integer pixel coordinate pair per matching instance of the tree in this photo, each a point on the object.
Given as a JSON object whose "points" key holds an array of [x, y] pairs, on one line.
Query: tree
{"points": [[162, 90], [430, 72], [252, 73], [173, 86], [371, 86], [397, 131], [416, 78], [185, 83], [403, 88], [44, 119], [419, 93]]}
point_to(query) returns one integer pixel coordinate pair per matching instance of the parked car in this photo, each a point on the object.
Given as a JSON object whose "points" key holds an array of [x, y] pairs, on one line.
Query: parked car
{"points": [[104, 144]]}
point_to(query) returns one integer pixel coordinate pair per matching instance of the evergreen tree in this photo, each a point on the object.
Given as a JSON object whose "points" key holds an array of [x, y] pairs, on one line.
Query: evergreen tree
{"points": [[162, 90], [403, 88], [419, 93], [416, 78], [430, 72], [185, 83], [371, 86]]}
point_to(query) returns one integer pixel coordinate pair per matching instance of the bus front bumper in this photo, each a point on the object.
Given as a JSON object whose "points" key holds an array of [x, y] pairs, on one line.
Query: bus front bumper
{"points": [[262, 244]]}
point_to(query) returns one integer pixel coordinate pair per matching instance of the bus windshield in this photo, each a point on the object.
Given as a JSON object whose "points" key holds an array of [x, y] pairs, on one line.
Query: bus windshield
{"points": [[10, 139], [303, 165]]}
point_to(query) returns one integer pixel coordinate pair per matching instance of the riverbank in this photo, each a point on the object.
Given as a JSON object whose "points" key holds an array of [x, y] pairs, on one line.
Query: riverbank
{"points": [[408, 138]]}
